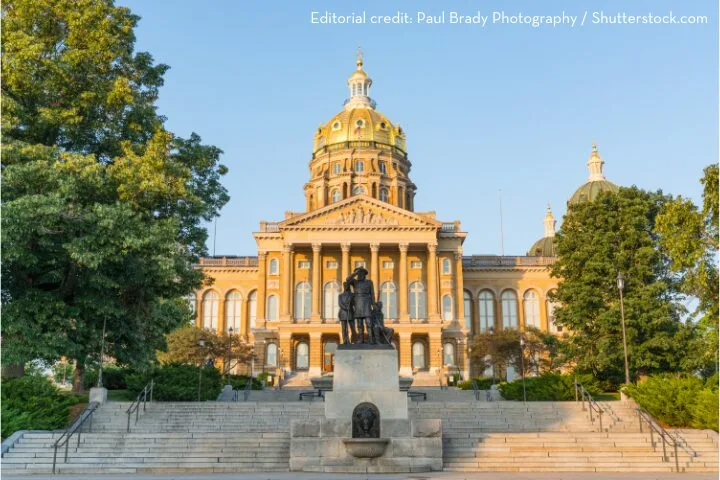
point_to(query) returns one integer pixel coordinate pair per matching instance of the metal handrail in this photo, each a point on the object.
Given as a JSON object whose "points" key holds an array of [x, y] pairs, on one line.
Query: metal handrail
{"points": [[644, 416], [64, 439], [476, 389], [135, 405], [248, 388], [593, 406]]}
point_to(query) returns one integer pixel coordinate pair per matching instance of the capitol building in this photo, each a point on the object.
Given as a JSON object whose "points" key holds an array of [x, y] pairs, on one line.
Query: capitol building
{"points": [[359, 211]]}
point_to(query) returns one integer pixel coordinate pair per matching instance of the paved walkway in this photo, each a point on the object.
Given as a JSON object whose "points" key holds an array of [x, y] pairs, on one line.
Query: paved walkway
{"points": [[405, 476]]}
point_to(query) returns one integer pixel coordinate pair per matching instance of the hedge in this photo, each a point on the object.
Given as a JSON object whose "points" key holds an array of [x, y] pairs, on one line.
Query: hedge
{"points": [[548, 387], [238, 382], [179, 383], [114, 377], [33, 403], [679, 400], [484, 383]]}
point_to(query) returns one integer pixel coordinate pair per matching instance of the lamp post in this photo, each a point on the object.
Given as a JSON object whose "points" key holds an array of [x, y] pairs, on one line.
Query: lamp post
{"points": [[522, 366], [102, 355], [492, 367], [229, 354], [621, 286], [200, 344]]}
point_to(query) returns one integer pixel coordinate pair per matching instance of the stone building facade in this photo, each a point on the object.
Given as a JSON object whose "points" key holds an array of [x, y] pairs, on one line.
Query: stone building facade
{"points": [[360, 212]]}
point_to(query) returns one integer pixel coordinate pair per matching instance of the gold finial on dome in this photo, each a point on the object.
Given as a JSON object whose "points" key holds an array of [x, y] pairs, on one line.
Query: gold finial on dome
{"points": [[549, 223], [359, 60], [595, 165]]}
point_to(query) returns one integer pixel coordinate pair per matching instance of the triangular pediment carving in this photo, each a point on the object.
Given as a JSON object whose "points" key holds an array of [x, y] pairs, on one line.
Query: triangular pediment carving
{"points": [[359, 211]]}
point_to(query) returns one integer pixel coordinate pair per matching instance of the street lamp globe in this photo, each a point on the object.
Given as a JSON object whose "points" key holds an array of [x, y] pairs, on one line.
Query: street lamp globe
{"points": [[620, 282]]}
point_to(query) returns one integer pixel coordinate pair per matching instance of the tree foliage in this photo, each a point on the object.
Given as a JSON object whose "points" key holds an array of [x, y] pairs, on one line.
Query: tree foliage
{"points": [[184, 347], [103, 207], [690, 236], [616, 234]]}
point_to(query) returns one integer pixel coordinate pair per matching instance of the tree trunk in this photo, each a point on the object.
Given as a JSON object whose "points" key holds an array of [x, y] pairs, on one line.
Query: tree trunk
{"points": [[13, 370], [79, 377]]}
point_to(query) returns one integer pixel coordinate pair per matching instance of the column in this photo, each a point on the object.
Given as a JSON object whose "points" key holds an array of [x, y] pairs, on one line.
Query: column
{"points": [[345, 262], [222, 317], [285, 351], [463, 358], [432, 289], [262, 283], [315, 366], [435, 353], [476, 316], [405, 352], [459, 289], [374, 267], [286, 288], [316, 283], [403, 289], [291, 292]]}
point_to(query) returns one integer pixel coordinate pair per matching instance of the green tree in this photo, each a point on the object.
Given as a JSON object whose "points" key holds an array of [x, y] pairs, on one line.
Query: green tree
{"points": [[502, 348], [616, 233], [103, 207], [184, 347], [690, 236]]}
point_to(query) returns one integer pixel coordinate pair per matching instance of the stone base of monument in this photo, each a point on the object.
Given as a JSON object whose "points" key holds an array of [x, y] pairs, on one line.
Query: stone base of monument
{"points": [[366, 427]]}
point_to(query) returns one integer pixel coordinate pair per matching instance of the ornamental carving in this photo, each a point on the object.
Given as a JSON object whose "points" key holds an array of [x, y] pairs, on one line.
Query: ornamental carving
{"points": [[360, 216]]}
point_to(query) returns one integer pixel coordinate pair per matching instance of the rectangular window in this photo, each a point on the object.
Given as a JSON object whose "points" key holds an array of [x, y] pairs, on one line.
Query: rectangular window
{"points": [[331, 265], [416, 265], [383, 168], [304, 265], [388, 264], [360, 264]]}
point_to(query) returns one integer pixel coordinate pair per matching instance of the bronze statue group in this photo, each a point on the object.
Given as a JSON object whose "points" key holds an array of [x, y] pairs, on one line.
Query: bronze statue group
{"points": [[361, 313]]}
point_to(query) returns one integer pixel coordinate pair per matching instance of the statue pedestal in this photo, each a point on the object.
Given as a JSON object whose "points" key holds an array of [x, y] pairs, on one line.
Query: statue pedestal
{"points": [[366, 373]]}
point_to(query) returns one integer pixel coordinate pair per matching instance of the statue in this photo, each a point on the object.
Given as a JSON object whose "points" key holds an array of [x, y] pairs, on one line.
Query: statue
{"points": [[346, 317], [383, 334], [362, 304]]}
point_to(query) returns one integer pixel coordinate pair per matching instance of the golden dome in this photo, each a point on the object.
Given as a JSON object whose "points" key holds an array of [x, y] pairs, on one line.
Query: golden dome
{"points": [[359, 121]]}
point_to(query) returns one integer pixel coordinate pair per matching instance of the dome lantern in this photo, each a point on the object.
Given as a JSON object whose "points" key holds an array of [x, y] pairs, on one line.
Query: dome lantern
{"points": [[549, 223], [545, 247], [359, 84], [595, 165], [596, 184]]}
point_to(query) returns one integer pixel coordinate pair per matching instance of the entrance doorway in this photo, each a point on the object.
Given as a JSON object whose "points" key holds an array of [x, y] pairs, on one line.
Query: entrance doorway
{"points": [[329, 350]]}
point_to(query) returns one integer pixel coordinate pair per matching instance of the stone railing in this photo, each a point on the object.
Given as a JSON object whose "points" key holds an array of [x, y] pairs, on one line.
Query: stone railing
{"points": [[480, 261], [229, 262], [269, 227]]}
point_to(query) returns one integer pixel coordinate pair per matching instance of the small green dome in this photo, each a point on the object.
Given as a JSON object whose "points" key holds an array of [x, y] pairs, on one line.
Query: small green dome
{"points": [[590, 191], [545, 247]]}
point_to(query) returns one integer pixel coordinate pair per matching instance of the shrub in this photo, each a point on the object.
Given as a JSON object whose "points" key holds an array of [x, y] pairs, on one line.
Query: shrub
{"points": [[114, 377], [238, 382], [548, 387], [179, 383], [33, 403], [484, 383], [678, 401]]}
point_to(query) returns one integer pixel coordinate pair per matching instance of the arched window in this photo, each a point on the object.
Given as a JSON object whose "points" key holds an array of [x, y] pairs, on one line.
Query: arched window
{"points": [[272, 307], [467, 308], [274, 268], [271, 355], [383, 167], [233, 312], [552, 326], [446, 268], [252, 308], [384, 195], [509, 309], [335, 195], [359, 166], [192, 304], [532, 309], [337, 168], [210, 310], [330, 301], [417, 301], [302, 356], [303, 295], [449, 354], [358, 190], [388, 296], [486, 310], [418, 355], [447, 308]]}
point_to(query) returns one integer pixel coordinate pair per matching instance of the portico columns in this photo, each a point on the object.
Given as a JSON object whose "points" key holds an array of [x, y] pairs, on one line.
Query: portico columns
{"points": [[286, 291], [316, 283], [262, 282], [404, 317], [374, 267], [405, 352], [432, 283], [459, 289], [435, 353], [285, 352], [345, 262], [315, 365]]}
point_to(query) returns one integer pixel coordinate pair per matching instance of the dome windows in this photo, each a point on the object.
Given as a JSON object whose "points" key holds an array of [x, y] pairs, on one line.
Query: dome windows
{"points": [[336, 126], [384, 195], [359, 124], [359, 166], [337, 168], [383, 125]]}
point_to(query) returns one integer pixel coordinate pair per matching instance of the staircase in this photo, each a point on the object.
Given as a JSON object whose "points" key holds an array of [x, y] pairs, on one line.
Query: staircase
{"points": [[254, 436]]}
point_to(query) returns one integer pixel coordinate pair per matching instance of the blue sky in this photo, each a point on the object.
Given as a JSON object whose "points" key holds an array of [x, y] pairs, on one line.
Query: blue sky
{"points": [[505, 107]]}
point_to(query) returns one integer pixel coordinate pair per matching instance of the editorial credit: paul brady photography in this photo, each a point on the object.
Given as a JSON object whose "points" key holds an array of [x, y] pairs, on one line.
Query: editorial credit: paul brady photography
{"points": [[484, 19]]}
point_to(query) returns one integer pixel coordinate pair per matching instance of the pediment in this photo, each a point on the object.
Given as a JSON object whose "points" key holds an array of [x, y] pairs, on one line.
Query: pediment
{"points": [[359, 211]]}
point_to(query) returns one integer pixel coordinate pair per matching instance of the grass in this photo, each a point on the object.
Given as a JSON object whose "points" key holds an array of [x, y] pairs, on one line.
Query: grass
{"points": [[607, 396], [121, 396]]}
